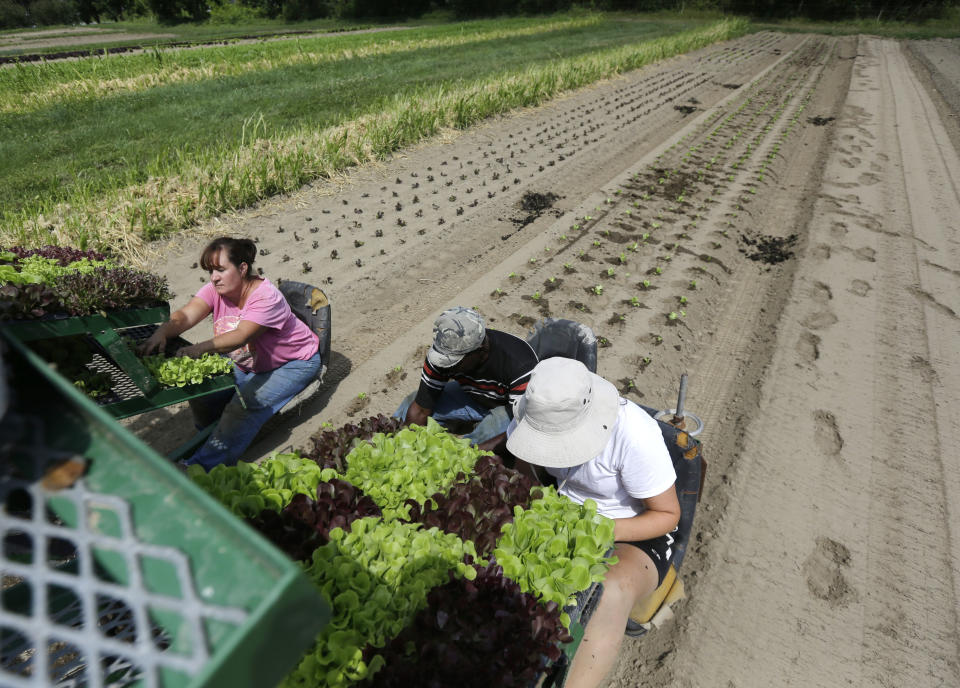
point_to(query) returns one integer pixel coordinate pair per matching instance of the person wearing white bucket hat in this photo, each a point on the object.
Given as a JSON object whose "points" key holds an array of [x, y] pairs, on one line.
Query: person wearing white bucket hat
{"points": [[602, 447]]}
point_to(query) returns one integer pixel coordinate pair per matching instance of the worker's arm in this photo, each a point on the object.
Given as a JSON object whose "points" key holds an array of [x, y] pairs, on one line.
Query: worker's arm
{"points": [[245, 332], [497, 445], [417, 415], [180, 321], [527, 469], [661, 515]]}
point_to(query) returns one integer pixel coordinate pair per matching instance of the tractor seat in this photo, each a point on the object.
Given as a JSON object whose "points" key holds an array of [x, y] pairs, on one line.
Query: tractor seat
{"points": [[312, 307], [554, 337], [690, 466]]}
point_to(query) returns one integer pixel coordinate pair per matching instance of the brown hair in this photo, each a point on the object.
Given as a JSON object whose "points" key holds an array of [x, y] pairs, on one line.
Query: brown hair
{"points": [[238, 251]]}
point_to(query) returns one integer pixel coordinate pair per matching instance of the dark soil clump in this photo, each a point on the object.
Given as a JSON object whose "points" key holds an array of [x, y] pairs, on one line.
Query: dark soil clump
{"points": [[768, 249], [537, 202], [533, 204], [615, 237], [677, 183], [522, 320], [549, 286]]}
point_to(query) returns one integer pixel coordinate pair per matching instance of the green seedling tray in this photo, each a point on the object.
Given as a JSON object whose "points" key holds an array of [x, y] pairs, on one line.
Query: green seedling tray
{"points": [[132, 575], [131, 401], [102, 327], [168, 396]]}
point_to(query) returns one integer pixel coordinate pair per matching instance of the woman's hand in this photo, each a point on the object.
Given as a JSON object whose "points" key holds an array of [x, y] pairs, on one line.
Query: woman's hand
{"points": [[193, 351], [180, 321], [156, 342]]}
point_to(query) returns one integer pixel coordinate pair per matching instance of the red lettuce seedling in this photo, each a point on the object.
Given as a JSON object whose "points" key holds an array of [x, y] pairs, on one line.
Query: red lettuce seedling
{"points": [[331, 446], [111, 289], [64, 255], [75, 293], [27, 301], [476, 507], [482, 633], [305, 524]]}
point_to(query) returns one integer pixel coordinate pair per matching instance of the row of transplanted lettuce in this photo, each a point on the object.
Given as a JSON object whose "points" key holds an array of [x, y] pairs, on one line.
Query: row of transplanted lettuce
{"points": [[648, 267], [440, 564]]}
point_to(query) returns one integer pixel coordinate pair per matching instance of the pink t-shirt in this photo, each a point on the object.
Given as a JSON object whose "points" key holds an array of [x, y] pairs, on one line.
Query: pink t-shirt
{"points": [[286, 338]]}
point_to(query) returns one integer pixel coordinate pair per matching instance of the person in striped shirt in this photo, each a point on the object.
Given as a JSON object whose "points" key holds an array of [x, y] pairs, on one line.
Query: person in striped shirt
{"points": [[471, 375]]}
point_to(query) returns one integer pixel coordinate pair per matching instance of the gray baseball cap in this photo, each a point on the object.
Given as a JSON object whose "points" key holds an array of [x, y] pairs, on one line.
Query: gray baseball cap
{"points": [[457, 332]]}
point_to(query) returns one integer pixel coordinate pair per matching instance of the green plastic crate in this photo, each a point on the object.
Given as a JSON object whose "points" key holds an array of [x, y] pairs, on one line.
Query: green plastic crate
{"points": [[132, 575]]}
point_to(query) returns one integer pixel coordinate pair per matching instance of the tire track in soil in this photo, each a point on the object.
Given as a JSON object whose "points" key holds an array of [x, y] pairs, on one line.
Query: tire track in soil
{"points": [[839, 543], [726, 380]]}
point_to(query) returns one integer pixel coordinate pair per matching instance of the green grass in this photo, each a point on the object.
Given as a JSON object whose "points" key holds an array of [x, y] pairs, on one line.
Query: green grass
{"points": [[157, 159], [27, 86], [93, 145]]}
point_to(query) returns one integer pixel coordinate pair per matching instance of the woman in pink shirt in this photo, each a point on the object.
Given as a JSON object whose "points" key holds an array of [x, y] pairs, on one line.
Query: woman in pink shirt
{"points": [[275, 353]]}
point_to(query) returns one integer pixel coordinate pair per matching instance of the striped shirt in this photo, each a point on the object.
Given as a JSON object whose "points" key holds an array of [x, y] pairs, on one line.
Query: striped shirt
{"points": [[499, 381]]}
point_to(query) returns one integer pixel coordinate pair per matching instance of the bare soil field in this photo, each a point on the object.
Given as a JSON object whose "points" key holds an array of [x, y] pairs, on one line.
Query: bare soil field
{"points": [[776, 216]]}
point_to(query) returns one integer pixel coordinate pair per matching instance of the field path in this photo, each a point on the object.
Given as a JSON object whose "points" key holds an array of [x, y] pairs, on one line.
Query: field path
{"points": [[776, 216], [837, 562]]}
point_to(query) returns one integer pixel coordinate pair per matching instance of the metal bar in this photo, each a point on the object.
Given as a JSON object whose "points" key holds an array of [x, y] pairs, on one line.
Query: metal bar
{"points": [[29, 330], [168, 396], [682, 396]]}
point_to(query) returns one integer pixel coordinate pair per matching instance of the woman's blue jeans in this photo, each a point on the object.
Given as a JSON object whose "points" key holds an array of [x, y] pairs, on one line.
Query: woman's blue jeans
{"points": [[263, 393], [455, 404]]}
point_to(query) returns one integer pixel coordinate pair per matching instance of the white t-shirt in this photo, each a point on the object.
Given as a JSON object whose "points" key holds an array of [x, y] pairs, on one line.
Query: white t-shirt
{"points": [[634, 465]]}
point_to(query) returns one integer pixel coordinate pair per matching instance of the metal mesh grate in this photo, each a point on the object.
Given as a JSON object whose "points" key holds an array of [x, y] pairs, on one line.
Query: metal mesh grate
{"points": [[122, 387], [88, 604]]}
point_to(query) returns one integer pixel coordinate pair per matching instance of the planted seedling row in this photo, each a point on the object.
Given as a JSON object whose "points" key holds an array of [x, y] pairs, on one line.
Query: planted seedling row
{"points": [[653, 255], [430, 203]]}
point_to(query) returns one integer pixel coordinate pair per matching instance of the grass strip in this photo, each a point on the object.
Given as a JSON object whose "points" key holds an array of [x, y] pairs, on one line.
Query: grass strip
{"points": [[83, 150], [28, 87], [236, 175]]}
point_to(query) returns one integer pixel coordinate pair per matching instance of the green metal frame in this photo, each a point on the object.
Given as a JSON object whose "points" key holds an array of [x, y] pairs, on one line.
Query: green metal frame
{"points": [[102, 327]]}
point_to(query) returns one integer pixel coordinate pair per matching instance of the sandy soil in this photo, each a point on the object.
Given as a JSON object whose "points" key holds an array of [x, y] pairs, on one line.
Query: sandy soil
{"points": [[818, 284]]}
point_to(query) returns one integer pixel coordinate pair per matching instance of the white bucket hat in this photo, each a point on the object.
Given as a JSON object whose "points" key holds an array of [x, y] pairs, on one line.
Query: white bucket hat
{"points": [[565, 417]]}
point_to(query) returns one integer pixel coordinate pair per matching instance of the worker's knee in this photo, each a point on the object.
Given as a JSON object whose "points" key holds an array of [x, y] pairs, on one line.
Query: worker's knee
{"points": [[634, 576]]}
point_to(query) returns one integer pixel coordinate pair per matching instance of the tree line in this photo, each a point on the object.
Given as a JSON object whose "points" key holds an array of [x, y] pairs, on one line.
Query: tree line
{"points": [[22, 13]]}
